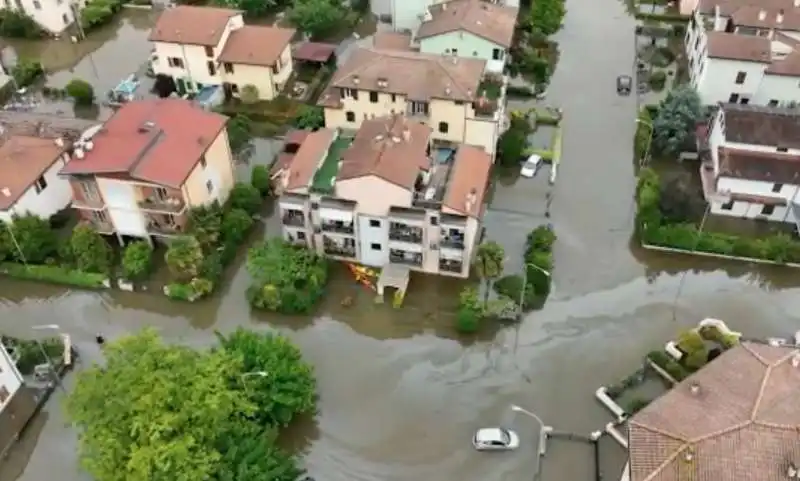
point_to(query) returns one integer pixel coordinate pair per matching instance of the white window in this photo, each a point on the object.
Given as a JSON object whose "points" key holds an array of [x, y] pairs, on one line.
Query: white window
{"points": [[40, 185]]}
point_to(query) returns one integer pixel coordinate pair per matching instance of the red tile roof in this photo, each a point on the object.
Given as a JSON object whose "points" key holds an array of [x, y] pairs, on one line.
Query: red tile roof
{"points": [[314, 52], [468, 181], [256, 45], [158, 141], [191, 25], [22, 161]]}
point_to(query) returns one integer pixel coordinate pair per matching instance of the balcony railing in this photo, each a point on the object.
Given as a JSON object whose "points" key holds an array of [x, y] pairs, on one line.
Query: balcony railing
{"points": [[407, 258], [403, 233], [168, 204], [338, 228], [451, 266], [296, 220], [101, 226], [341, 251], [86, 203], [452, 242]]}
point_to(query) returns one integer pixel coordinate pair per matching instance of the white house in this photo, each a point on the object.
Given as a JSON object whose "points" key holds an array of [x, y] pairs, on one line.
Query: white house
{"points": [[742, 53], [469, 28], [29, 180], [52, 15], [751, 163], [408, 15], [10, 378]]}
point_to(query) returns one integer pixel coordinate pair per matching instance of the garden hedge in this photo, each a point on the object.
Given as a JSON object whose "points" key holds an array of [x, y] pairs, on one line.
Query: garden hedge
{"points": [[652, 231], [54, 274]]}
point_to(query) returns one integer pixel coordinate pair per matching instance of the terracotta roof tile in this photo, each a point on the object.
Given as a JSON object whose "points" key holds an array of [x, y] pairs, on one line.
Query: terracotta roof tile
{"points": [[483, 19], [392, 41], [424, 76], [314, 52], [256, 45], [392, 148], [788, 66], [732, 46], [759, 125], [764, 16], [159, 141], [728, 7], [192, 25], [22, 161], [305, 162], [775, 167], [734, 419], [468, 180]]}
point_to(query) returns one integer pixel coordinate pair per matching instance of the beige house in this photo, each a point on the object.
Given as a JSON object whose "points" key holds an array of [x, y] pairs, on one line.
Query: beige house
{"points": [[139, 174], [206, 46], [451, 94], [388, 196]]}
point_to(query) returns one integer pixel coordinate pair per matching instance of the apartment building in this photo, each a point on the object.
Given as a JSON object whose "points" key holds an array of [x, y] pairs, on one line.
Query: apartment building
{"points": [[451, 94], [468, 28], [386, 196], [408, 15], [54, 16], [751, 162], [152, 161], [208, 47], [743, 51]]}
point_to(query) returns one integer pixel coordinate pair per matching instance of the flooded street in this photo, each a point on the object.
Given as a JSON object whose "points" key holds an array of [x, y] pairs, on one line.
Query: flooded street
{"points": [[400, 393]]}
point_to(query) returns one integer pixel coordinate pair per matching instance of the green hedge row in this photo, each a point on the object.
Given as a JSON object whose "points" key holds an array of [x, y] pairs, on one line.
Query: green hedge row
{"points": [[538, 258], [55, 275], [669, 364], [651, 230]]}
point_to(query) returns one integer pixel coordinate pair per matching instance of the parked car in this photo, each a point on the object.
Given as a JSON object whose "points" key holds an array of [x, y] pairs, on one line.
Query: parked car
{"points": [[531, 166], [624, 83], [495, 439]]}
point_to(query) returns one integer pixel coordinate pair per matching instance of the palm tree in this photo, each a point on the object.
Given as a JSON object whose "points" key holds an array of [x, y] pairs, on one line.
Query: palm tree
{"points": [[489, 264]]}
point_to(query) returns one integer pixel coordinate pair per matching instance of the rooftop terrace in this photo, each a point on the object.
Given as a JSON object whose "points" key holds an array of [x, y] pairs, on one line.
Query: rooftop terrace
{"points": [[325, 177]]}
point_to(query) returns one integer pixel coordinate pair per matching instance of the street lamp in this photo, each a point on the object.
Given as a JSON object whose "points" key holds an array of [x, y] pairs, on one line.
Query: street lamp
{"points": [[249, 374], [643, 160], [525, 281], [50, 364], [544, 429]]}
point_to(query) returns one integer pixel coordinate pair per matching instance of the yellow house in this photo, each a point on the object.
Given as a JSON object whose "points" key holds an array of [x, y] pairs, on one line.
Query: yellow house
{"points": [[207, 46], [139, 174], [452, 95]]}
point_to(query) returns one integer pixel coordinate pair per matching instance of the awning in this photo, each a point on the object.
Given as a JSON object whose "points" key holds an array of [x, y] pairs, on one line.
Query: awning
{"points": [[335, 214]]}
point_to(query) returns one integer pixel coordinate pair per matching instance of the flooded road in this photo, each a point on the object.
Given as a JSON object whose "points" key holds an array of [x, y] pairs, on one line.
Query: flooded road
{"points": [[400, 393]]}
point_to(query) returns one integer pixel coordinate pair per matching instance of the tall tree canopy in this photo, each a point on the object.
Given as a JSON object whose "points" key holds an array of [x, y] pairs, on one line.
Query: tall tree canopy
{"points": [[674, 125]]}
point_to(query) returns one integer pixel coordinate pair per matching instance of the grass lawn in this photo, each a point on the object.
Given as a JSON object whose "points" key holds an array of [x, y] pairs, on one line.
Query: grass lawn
{"points": [[323, 179]]}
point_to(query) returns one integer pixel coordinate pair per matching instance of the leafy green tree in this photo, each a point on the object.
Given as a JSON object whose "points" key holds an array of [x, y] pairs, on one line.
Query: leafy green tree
{"points": [[240, 131], [137, 260], [512, 143], [289, 387], [470, 311], [546, 16], [81, 92], [26, 72], [260, 179], [246, 197], [309, 117], [488, 264], [184, 258], [285, 279], [249, 453], [675, 122], [317, 18], [6, 245], [249, 94], [89, 251], [35, 240], [236, 223], [16, 24], [679, 201], [155, 411], [205, 223], [251, 8]]}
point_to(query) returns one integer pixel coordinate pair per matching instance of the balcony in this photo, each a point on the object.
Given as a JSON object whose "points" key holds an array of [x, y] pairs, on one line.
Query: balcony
{"points": [[166, 224], [452, 242], [405, 233], [99, 223], [397, 256], [91, 203], [452, 266], [492, 91], [293, 218], [334, 247], [338, 227], [174, 205]]}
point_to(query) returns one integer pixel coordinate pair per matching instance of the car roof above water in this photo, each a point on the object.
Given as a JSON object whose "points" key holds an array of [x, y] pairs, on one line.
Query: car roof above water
{"points": [[489, 434]]}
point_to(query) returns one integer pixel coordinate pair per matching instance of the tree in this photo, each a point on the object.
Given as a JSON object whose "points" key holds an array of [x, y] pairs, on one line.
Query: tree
{"points": [[251, 8], [236, 223], [81, 92], [289, 387], [16, 24], [470, 311], [679, 202], [317, 18], [99, 12], [260, 179], [137, 260], [246, 197], [33, 239], [155, 411], [249, 94], [310, 117], [675, 122], [88, 250], [25, 72], [250, 453], [285, 279], [546, 16], [488, 263], [205, 224], [240, 129], [512, 143], [184, 258]]}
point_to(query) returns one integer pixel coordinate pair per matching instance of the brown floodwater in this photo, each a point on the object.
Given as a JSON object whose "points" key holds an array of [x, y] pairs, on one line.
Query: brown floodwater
{"points": [[400, 392]]}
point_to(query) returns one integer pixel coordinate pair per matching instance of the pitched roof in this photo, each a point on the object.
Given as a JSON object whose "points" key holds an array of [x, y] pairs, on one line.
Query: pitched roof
{"points": [[190, 25], [23, 160], [732, 46], [468, 180], [788, 66], [392, 148], [424, 76], [728, 7], [314, 52], [483, 19], [737, 418], [766, 16], [256, 45], [770, 126], [159, 141], [392, 41], [775, 167], [306, 160]]}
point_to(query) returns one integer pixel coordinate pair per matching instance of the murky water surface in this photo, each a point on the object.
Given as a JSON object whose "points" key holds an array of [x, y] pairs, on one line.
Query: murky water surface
{"points": [[401, 394]]}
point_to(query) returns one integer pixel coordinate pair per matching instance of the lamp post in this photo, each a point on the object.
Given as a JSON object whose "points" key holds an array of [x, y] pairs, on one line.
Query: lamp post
{"points": [[544, 429], [643, 160], [525, 282], [249, 374], [50, 364]]}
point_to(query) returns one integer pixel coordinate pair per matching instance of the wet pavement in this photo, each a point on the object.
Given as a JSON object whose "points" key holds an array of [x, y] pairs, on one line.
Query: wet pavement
{"points": [[400, 393]]}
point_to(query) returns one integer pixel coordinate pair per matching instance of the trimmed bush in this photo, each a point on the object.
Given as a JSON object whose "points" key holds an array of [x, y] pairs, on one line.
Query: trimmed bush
{"points": [[658, 80], [55, 275], [80, 91], [259, 178], [137, 260], [245, 197], [520, 91], [668, 364]]}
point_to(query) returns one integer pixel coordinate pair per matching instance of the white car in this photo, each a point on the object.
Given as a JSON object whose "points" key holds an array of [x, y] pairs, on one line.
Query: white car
{"points": [[531, 166], [495, 439]]}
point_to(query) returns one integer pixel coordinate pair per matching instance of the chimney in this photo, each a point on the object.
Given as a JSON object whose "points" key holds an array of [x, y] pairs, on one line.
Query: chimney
{"points": [[59, 142], [779, 17], [407, 134], [356, 80], [6, 191], [762, 14], [694, 389]]}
